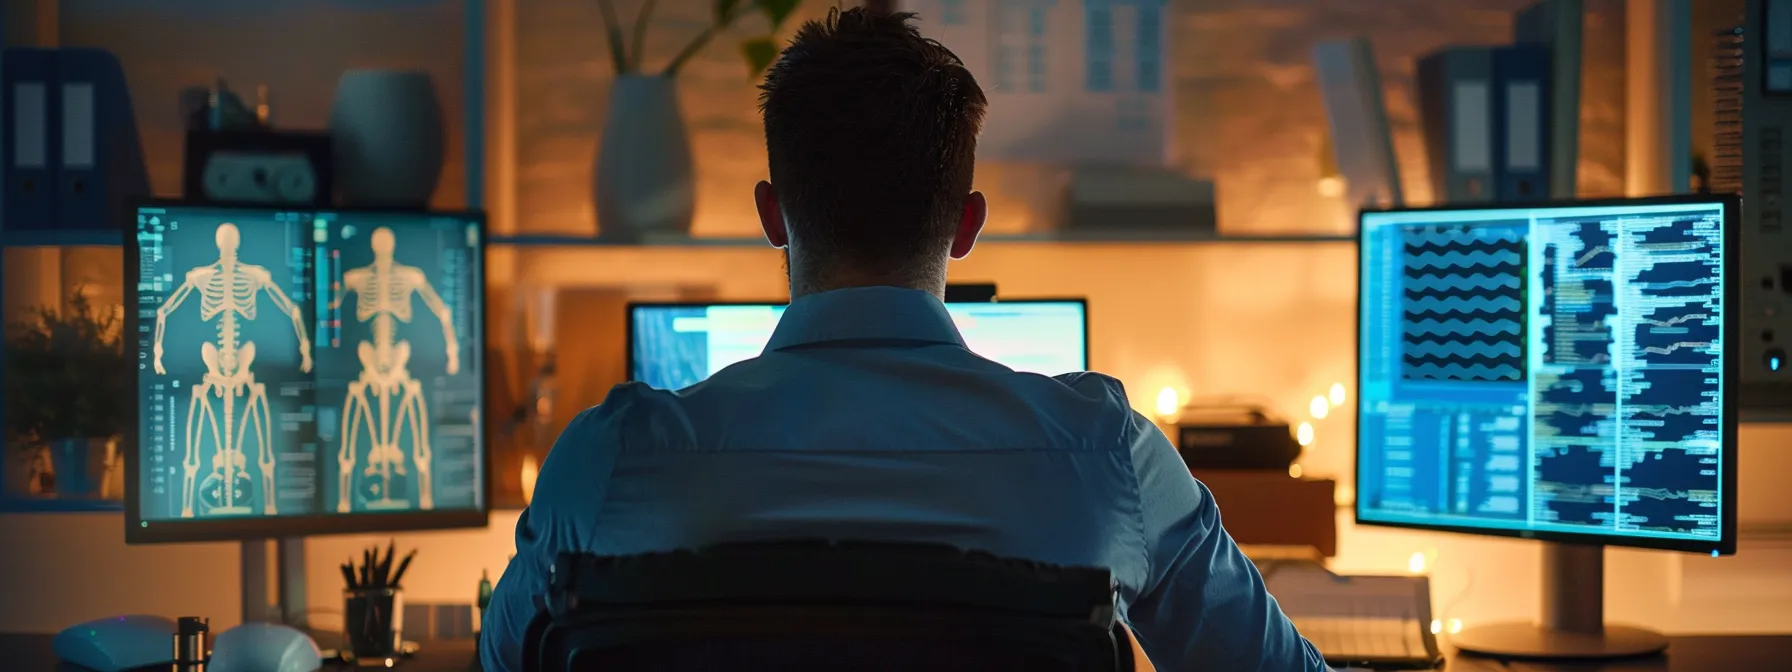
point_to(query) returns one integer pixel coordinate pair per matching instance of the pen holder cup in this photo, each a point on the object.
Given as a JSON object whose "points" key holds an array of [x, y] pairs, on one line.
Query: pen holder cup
{"points": [[373, 623]]}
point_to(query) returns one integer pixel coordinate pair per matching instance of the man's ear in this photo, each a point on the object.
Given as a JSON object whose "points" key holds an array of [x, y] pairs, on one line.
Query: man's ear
{"points": [[771, 217], [970, 224]]}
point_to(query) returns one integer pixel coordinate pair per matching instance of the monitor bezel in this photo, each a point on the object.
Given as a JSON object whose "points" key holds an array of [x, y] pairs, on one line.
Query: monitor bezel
{"points": [[316, 524], [1732, 352], [628, 341]]}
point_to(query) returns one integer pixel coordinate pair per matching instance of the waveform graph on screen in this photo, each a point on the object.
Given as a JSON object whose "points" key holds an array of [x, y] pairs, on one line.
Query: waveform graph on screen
{"points": [[1463, 304], [1670, 410]]}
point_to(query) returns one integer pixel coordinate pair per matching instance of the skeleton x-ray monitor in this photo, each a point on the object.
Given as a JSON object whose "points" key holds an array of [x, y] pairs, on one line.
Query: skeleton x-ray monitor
{"points": [[1562, 372], [675, 345], [304, 372]]}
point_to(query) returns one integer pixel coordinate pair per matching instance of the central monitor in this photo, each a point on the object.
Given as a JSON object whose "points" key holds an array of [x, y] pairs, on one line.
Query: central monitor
{"points": [[675, 345], [1562, 373], [304, 372]]}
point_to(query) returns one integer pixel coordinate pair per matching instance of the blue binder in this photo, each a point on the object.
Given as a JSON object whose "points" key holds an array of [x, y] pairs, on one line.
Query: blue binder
{"points": [[102, 165], [1521, 129], [32, 125], [1456, 108]]}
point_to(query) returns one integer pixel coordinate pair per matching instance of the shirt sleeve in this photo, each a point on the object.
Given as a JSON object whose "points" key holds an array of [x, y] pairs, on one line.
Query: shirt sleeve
{"points": [[1204, 605], [569, 490]]}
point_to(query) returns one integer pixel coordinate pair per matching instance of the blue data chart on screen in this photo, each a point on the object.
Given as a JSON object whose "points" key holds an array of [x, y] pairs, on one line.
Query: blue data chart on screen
{"points": [[676, 346], [1553, 369], [303, 363]]}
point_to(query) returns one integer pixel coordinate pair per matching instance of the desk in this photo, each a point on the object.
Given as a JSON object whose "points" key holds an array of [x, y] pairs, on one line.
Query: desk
{"points": [[31, 653]]}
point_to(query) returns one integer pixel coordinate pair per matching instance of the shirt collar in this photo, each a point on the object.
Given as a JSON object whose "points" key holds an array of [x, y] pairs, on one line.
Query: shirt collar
{"points": [[865, 313]]}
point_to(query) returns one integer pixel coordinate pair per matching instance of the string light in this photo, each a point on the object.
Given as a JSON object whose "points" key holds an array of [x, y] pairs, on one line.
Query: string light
{"points": [[1336, 394], [1294, 471], [1168, 403], [1304, 434], [1453, 625], [1416, 563], [530, 471], [1319, 407]]}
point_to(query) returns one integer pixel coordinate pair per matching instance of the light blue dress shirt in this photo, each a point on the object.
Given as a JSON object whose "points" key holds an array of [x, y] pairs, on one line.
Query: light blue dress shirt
{"points": [[866, 418]]}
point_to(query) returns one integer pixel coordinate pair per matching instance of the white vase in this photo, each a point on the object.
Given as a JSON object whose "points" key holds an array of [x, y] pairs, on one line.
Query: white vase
{"points": [[643, 185], [386, 137]]}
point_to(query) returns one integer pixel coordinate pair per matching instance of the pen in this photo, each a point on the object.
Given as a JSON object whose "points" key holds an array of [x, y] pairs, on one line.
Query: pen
{"points": [[385, 568], [367, 569], [398, 575], [348, 574]]}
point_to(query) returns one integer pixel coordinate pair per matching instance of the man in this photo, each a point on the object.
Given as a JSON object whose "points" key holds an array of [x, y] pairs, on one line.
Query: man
{"points": [[866, 417]]}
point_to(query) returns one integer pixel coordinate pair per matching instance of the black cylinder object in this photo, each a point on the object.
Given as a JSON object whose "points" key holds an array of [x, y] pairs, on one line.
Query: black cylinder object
{"points": [[192, 644]]}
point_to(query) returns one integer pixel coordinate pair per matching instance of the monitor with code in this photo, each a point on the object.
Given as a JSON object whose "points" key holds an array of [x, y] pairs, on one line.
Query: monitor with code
{"points": [[675, 345], [304, 371], [1562, 372]]}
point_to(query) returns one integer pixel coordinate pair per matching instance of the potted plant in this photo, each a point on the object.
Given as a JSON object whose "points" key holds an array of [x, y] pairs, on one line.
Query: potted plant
{"points": [[643, 184], [66, 383]]}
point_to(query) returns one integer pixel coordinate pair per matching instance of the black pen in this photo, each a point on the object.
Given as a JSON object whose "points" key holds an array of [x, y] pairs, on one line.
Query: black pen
{"points": [[385, 568], [348, 574], [398, 575], [367, 569]]}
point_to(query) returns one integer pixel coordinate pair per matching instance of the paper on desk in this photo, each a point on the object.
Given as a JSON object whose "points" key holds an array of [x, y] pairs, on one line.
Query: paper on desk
{"points": [[1310, 591]]}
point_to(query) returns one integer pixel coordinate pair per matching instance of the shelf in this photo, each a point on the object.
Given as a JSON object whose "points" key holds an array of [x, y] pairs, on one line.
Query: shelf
{"points": [[1081, 238], [62, 238], [46, 505], [104, 238]]}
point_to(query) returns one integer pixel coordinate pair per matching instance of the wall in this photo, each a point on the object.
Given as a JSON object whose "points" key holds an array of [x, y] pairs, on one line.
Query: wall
{"points": [[1269, 321]]}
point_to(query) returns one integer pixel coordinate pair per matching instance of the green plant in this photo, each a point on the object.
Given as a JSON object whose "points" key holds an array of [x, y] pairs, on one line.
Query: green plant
{"points": [[626, 55], [66, 376]]}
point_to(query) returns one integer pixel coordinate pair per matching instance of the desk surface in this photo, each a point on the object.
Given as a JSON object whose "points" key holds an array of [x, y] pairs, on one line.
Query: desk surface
{"points": [[31, 653]]}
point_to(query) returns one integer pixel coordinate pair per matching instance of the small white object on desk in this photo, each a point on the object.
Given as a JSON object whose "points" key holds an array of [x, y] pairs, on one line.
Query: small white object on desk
{"points": [[265, 647]]}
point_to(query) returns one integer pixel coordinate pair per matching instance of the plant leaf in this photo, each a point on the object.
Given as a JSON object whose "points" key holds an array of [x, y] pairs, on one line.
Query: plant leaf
{"points": [[778, 10], [760, 52], [724, 8]]}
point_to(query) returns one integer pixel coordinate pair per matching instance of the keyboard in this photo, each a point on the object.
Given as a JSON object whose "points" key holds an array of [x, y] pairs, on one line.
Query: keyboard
{"points": [[1378, 622], [1370, 641]]}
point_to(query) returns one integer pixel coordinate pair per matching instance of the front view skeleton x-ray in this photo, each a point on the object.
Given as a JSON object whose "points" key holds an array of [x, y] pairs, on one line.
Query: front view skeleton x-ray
{"points": [[228, 290], [384, 290]]}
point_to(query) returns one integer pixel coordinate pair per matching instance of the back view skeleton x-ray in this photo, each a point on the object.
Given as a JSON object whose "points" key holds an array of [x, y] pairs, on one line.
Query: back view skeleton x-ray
{"points": [[384, 290], [228, 290]]}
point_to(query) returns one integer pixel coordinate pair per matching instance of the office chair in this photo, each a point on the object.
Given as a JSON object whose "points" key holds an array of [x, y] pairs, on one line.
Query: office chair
{"points": [[811, 606]]}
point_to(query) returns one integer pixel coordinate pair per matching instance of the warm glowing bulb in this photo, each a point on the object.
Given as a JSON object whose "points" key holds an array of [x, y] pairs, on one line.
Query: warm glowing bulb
{"points": [[1294, 471], [1168, 402], [1331, 186], [1304, 434], [1454, 625], [1319, 408], [1416, 563], [1437, 626], [530, 471], [1336, 394]]}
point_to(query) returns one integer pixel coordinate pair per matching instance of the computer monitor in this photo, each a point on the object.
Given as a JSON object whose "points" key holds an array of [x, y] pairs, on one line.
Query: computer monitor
{"points": [[303, 372], [1561, 372], [676, 345]]}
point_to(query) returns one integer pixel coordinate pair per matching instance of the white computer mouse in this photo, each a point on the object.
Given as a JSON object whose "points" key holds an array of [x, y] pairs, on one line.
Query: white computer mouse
{"points": [[117, 643], [264, 647]]}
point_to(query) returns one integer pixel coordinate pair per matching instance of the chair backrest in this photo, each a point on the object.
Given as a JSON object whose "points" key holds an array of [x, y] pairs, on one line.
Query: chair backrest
{"points": [[803, 605]]}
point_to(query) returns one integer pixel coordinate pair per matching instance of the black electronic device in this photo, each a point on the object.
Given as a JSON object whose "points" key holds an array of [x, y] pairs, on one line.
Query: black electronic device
{"points": [[971, 293], [1564, 372], [302, 370], [258, 167], [1235, 437]]}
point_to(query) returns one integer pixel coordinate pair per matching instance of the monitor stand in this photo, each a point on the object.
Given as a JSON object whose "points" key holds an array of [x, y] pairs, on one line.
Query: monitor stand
{"points": [[289, 607], [1573, 617]]}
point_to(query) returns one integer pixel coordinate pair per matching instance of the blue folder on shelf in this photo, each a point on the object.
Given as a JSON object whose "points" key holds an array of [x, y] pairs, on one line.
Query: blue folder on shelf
{"points": [[30, 155], [1521, 128], [72, 158]]}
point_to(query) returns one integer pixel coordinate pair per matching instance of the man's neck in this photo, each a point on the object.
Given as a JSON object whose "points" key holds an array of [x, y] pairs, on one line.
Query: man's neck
{"points": [[799, 289]]}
